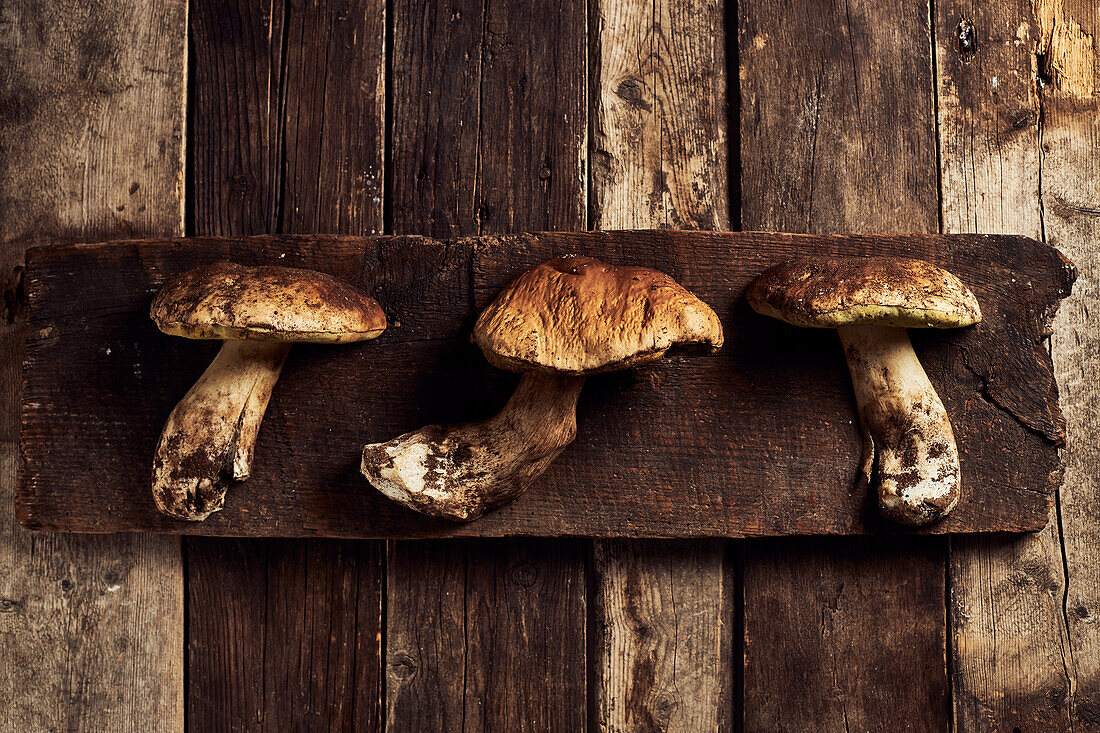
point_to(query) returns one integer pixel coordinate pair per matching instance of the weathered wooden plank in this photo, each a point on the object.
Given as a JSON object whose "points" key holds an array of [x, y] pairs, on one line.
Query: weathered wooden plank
{"points": [[234, 189], [664, 635], [435, 118], [1067, 34], [527, 599], [426, 657], [663, 611], [526, 638], [223, 634], [91, 145], [660, 138], [489, 128], [300, 621], [437, 100], [1011, 666], [434, 122], [288, 120], [837, 135], [749, 455], [324, 598], [840, 629], [323, 622]]}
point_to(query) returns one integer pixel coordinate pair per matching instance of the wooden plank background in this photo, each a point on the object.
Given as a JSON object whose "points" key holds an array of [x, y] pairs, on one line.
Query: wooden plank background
{"points": [[837, 134], [288, 128], [92, 121], [485, 117], [489, 121], [662, 612]]}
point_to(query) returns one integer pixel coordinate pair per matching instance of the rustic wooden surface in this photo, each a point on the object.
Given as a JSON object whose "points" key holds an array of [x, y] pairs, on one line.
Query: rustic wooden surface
{"points": [[91, 127], [660, 159], [1012, 665], [287, 116], [746, 454], [1012, 118], [837, 135], [502, 148], [489, 121], [1066, 34]]}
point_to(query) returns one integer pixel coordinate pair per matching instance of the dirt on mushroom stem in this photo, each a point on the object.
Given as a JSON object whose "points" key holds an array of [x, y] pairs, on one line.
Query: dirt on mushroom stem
{"points": [[209, 439], [459, 472], [910, 456]]}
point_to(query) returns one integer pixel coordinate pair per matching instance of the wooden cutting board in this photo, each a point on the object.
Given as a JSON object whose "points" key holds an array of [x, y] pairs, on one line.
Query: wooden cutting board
{"points": [[760, 439]]}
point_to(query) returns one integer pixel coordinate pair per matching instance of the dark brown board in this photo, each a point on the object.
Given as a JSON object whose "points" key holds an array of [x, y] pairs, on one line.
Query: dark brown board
{"points": [[286, 135], [488, 127], [760, 439]]}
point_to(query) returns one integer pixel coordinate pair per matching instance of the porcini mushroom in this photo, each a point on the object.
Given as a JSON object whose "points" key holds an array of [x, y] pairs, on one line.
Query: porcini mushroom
{"points": [[557, 323], [909, 448], [258, 312]]}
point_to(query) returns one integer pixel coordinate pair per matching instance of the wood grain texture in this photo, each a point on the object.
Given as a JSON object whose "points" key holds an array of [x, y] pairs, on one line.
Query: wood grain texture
{"points": [[837, 135], [660, 138], [1011, 665], [288, 125], [1068, 45], [813, 592], [439, 53], [664, 635], [663, 611], [91, 145], [305, 614], [489, 125], [744, 453], [435, 121]]}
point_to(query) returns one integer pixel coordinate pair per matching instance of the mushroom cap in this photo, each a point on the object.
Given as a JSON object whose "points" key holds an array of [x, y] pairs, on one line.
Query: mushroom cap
{"points": [[227, 301], [870, 291], [578, 315]]}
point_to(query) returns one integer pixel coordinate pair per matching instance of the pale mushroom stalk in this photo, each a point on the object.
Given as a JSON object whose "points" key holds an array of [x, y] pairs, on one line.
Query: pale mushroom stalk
{"points": [[458, 472], [906, 431], [210, 436]]}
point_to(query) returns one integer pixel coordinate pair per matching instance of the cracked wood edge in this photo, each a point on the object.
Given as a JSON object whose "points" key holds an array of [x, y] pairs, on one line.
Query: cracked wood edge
{"points": [[1069, 43], [663, 611], [837, 135], [489, 127], [287, 114], [1012, 664], [91, 124]]}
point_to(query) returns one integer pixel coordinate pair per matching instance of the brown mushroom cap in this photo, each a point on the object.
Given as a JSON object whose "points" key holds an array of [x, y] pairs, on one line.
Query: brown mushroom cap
{"points": [[579, 316], [229, 301], [872, 291]]}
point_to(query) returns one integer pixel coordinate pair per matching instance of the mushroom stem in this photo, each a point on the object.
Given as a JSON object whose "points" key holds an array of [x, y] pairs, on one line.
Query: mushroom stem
{"points": [[461, 471], [907, 435], [210, 436]]}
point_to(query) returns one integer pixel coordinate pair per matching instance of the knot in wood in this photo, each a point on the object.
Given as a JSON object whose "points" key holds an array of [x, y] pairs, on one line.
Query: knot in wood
{"points": [[966, 39], [632, 91], [525, 575], [667, 703], [403, 666]]}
